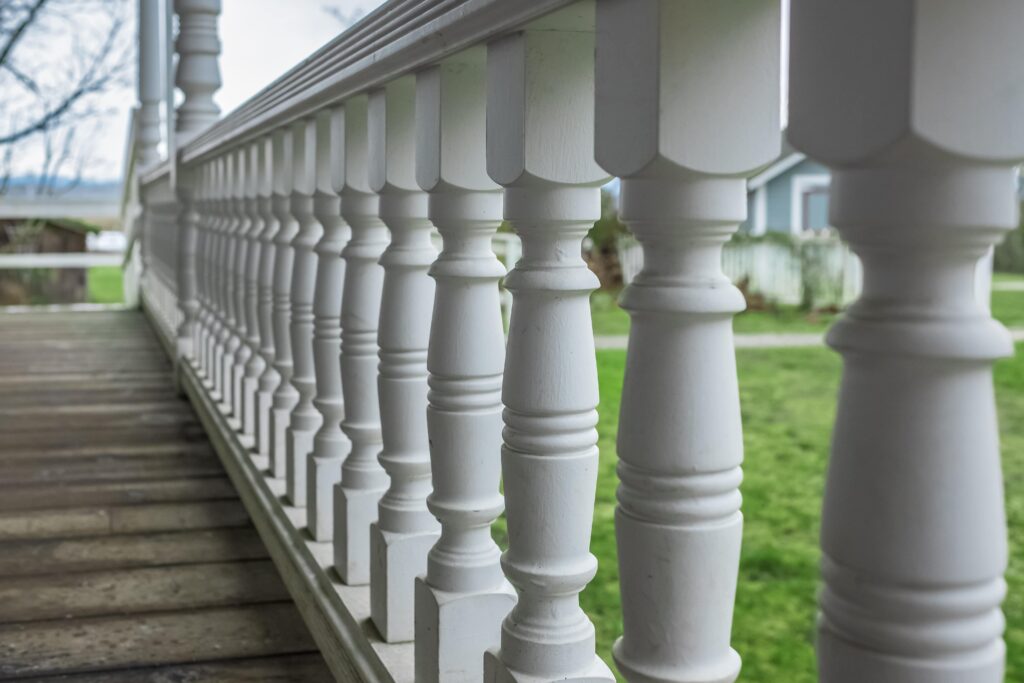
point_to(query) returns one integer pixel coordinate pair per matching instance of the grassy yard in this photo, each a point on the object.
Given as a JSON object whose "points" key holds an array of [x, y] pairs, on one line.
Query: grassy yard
{"points": [[104, 285], [788, 406], [609, 319]]}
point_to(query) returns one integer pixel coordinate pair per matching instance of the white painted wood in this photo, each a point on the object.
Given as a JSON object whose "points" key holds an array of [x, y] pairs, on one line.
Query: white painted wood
{"points": [[285, 395], [305, 418], [85, 259], [540, 132], [330, 444], [256, 364], [405, 530], [197, 74], [464, 596], [186, 275], [907, 103], [660, 69], [363, 480], [228, 338], [203, 208], [270, 378], [218, 329], [150, 83], [239, 262], [461, 601]]}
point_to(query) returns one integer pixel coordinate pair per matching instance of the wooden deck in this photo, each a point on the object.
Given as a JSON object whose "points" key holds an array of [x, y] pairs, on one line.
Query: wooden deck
{"points": [[125, 553]]}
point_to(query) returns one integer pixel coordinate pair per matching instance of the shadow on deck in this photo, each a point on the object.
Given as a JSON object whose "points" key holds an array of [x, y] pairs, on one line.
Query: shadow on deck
{"points": [[125, 553]]}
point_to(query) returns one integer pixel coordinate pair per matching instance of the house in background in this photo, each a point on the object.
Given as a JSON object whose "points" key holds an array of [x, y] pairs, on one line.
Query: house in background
{"points": [[790, 196]]}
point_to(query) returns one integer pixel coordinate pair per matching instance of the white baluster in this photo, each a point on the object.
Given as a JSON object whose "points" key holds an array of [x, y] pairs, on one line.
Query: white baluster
{"points": [[305, 419], [909, 104], [240, 249], [405, 530], [363, 480], [540, 86], [682, 145], [270, 379], [285, 396], [228, 337], [256, 364], [330, 445], [464, 596], [186, 276], [150, 82], [197, 74], [217, 329], [202, 270]]}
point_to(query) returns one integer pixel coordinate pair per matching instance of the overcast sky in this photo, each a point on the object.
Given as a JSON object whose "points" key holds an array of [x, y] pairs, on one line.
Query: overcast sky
{"points": [[261, 39]]}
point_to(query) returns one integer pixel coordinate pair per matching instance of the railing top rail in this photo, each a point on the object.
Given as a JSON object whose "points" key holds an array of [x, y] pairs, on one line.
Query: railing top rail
{"points": [[397, 38]]}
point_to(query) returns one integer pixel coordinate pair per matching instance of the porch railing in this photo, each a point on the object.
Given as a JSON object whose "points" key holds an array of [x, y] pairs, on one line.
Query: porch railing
{"points": [[359, 386]]}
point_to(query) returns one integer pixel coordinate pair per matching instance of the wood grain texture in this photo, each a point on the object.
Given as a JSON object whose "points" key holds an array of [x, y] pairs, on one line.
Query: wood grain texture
{"points": [[125, 552]]}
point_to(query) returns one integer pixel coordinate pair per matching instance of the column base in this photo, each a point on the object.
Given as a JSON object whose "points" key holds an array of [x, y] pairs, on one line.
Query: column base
{"points": [[322, 474], [398, 560], [495, 671], [354, 512], [300, 445], [453, 630], [264, 401], [280, 419], [840, 661]]}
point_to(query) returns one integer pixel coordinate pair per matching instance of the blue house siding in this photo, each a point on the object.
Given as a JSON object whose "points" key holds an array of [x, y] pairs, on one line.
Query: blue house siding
{"points": [[779, 200]]}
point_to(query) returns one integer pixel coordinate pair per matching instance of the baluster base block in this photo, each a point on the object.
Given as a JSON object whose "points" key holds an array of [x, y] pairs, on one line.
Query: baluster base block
{"points": [[299, 447], [280, 420], [250, 386], [398, 559], [322, 475], [264, 408], [495, 671], [453, 630], [354, 512]]}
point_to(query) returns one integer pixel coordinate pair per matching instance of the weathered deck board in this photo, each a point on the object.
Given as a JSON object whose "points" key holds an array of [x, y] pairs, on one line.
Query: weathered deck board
{"points": [[125, 554]]}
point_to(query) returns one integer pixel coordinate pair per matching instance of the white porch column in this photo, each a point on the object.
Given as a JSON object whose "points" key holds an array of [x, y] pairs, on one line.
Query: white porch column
{"points": [[363, 480], [285, 396], [256, 365], [197, 74], [464, 596], [305, 419], [330, 445], [270, 378], [405, 530], [151, 83], [540, 147], [682, 144], [240, 251], [915, 107]]}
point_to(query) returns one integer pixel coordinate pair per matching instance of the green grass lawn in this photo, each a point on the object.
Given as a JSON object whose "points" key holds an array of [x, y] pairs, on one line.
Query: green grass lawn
{"points": [[788, 400], [104, 285], [609, 319]]}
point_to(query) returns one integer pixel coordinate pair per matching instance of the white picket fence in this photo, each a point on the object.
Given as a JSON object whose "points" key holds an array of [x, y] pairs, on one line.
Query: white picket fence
{"points": [[821, 270]]}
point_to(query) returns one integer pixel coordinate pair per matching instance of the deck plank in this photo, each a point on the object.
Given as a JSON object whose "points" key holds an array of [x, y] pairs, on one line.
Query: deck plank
{"points": [[125, 553]]}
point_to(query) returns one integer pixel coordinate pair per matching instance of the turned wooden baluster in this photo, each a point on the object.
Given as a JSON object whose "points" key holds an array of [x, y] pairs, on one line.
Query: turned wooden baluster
{"points": [[243, 224], [330, 445], [187, 218], [544, 157], [270, 378], [363, 480], [405, 530], [230, 336], [285, 396], [682, 145], [464, 596], [214, 342], [256, 364], [909, 105], [305, 419], [202, 269]]}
